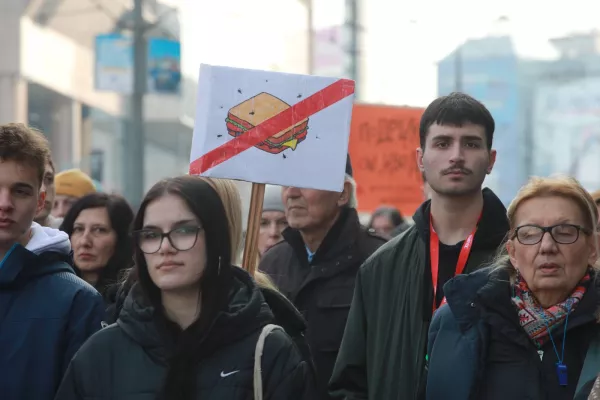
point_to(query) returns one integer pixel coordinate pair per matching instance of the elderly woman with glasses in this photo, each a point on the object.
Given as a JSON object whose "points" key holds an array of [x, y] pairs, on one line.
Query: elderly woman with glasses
{"points": [[527, 327]]}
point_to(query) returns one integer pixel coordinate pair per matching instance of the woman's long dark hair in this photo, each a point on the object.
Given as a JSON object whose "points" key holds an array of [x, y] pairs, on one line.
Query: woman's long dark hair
{"points": [[215, 284], [121, 217]]}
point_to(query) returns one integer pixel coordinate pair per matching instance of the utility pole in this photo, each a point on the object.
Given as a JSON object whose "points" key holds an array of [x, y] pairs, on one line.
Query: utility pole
{"points": [[134, 138], [353, 25]]}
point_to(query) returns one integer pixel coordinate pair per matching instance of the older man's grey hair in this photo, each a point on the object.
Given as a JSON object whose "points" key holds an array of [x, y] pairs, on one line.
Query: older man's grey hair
{"points": [[352, 199]]}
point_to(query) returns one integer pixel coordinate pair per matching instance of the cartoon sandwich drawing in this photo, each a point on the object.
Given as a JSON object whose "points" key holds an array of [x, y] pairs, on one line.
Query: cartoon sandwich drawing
{"points": [[259, 108]]}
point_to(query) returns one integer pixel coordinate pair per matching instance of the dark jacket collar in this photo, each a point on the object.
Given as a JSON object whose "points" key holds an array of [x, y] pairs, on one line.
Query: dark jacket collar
{"points": [[20, 266], [246, 313], [462, 292], [286, 315], [492, 288], [344, 232], [492, 228], [490, 234]]}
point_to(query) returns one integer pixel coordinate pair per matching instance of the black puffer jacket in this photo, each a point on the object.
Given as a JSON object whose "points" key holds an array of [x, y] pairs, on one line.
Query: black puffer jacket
{"points": [[127, 361]]}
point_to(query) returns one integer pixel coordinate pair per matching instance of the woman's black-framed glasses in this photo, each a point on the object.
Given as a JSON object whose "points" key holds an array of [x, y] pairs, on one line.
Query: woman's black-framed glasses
{"points": [[560, 233], [182, 238]]}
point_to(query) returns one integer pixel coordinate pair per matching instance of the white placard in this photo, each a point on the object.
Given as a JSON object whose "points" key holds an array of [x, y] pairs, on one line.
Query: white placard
{"points": [[304, 142]]}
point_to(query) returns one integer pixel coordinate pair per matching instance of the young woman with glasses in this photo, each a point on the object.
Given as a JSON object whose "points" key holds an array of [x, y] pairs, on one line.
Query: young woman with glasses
{"points": [[522, 329], [189, 326]]}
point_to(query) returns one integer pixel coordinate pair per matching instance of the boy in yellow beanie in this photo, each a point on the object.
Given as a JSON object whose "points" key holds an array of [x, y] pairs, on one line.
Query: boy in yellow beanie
{"points": [[71, 185]]}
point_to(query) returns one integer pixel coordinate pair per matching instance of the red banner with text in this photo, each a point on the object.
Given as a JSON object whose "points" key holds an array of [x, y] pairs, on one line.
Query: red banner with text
{"points": [[383, 143]]}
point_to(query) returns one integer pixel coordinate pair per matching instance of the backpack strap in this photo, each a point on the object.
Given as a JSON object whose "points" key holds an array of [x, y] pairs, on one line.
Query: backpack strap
{"points": [[591, 365], [260, 345]]}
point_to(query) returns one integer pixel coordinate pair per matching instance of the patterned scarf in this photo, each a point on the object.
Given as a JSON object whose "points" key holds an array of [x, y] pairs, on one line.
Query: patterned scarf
{"points": [[536, 320]]}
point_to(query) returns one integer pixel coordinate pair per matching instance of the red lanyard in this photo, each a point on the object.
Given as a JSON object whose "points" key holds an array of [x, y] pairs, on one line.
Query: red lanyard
{"points": [[434, 253]]}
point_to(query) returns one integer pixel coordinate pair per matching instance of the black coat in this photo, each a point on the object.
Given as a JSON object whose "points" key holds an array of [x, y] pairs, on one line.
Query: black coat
{"points": [[323, 289], [128, 360], [478, 350]]}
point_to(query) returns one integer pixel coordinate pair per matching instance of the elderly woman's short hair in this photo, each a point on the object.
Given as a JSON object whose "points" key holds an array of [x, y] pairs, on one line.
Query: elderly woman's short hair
{"points": [[560, 186]]}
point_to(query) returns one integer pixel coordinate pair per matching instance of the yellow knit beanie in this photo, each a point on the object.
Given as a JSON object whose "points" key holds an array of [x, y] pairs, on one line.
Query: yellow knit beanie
{"points": [[73, 182]]}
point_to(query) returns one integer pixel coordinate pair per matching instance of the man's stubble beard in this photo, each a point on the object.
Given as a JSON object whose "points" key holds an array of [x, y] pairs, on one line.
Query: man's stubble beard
{"points": [[471, 189]]}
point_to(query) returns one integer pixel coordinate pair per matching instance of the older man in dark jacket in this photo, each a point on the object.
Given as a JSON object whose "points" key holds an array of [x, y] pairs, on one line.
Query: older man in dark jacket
{"points": [[316, 265]]}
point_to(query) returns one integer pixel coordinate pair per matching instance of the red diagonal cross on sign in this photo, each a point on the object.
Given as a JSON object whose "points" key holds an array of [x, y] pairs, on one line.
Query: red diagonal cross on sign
{"points": [[305, 108]]}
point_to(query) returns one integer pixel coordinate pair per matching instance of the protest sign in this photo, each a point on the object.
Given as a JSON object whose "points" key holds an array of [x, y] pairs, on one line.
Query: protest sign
{"points": [[269, 127], [383, 143]]}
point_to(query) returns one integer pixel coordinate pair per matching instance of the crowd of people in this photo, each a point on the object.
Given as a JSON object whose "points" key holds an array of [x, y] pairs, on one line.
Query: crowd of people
{"points": [[465, 299]]}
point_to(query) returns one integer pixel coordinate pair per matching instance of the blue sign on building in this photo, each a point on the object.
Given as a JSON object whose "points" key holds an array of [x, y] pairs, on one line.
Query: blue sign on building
{"points": [[114, 64], [164, 66], [494, 80]]}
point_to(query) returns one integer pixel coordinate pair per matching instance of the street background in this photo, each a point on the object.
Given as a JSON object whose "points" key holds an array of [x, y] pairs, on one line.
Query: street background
{"points": [[112, 83]]}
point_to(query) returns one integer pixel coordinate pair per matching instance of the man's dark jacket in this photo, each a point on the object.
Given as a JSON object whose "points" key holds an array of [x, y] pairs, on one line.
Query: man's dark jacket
{"points": [[322, 290], [46, 314], [383, 352]]}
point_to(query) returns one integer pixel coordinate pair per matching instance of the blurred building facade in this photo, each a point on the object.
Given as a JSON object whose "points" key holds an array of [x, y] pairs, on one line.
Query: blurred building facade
{"points": [[47, 73], [47, 81], [545, 109], [330, 55], [565, 120]]}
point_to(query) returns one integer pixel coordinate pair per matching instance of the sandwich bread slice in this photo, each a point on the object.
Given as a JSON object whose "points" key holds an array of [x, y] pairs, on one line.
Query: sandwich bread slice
{"points": [[258, 109]]}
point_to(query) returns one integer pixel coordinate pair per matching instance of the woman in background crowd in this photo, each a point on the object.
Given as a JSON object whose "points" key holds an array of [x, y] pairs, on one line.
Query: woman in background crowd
{"points": [[273, 221], [232, 201], [99, 228], [522, 329], [190, 325], [387, 222]]}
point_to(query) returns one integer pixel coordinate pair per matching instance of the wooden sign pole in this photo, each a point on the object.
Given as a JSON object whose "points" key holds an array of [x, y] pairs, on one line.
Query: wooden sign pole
{"points": [[253, 229]]}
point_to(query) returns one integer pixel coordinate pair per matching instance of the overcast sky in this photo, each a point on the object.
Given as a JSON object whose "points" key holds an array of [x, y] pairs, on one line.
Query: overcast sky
{"points": [[403, 39]]}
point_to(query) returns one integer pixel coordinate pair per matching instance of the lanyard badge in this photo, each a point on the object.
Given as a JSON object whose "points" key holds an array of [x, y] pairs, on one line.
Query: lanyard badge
{"points": [[561, 368], [434, 255], [561, 372]]}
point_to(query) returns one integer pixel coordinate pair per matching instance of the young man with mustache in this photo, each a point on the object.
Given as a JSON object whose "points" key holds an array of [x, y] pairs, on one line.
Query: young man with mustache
{"points": [[383, 353]]}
